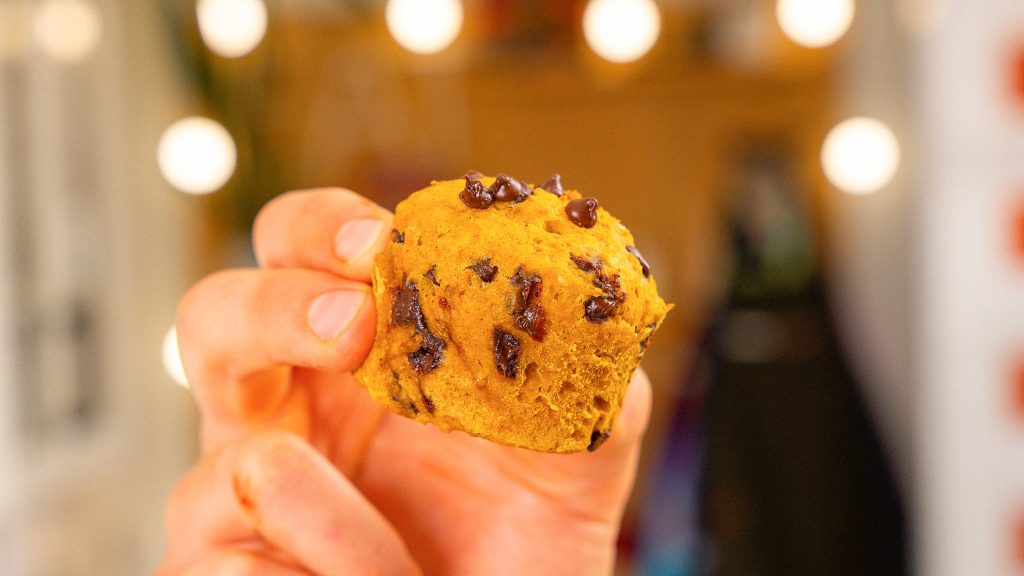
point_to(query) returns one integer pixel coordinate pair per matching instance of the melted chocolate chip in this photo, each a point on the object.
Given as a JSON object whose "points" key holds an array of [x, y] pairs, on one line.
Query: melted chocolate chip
{"points": [[444, 304], [484, 270], [597, 439], [397, 237], [508, 189], [597, 309], [427, 357], [432, 275], [582, 212], [587, 264], [527, 312], [533, 321], [609, 284], [475, 195], [474, 175], [643, 262], [554, 185], [406, 309], [506, 353]]}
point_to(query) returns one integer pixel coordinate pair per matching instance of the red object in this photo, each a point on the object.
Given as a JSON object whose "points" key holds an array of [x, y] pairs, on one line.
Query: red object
{"points": [[1018, 75], [1017, 231], [1018, 410], [1018, 543]]}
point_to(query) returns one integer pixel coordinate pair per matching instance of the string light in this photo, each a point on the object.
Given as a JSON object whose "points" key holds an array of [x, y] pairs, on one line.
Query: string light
{"points": [[621, 30], [172, 358], [67, 30], [196, 155], [232, 28], [424, 26], [860, 155], [814, 23]]}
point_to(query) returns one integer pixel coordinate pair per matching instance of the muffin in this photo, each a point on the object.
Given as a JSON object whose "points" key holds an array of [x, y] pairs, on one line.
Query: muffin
{"points": [[511, 312]]}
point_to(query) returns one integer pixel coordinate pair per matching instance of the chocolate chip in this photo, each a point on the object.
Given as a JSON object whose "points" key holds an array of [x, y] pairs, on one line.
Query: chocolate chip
{"points": [[444, 304], [397, 237], [554, 185], [527, 312], [643, 263], [610, 285], [506, 353], [405, 304], [405, 309], [508, 189], [597, 439], [484, 270], [597, 309], [474, 175], [533, 321], [432, 275], [582, 212], [475, 195], [427, 357], [586, 264]]}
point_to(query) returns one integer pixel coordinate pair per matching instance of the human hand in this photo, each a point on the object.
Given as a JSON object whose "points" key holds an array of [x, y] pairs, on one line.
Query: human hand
{"points": [[303, 473]]}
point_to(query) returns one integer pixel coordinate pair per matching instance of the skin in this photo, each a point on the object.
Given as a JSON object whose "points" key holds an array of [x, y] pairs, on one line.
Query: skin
{"points": [[302, 473]]}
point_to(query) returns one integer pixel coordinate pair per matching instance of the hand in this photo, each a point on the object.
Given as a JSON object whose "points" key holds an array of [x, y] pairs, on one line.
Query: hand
{"points": [[303, 473]]}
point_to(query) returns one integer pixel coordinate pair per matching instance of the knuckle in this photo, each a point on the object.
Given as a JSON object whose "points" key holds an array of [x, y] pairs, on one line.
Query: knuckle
{"points": [[196, 302], [273, 459]]}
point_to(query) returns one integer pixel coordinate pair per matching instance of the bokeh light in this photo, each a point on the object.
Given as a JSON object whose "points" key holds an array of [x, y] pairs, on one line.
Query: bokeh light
{"points": [[621, 30], [67, 30], [232, 28], [860, 155], [814, 23], [197, 155], [172, 358], [424, 26]]}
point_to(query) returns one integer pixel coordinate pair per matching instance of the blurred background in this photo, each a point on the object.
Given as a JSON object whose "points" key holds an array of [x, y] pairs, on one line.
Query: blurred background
{"points": [[830, 191]]}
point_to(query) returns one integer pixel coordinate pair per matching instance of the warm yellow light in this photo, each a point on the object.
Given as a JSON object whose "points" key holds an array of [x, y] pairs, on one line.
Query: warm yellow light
{"points": [[232, 28], [67, 30], [196, 155], [621, 30], [814, 23], [172, 358], [424, 26], [860, 155]]}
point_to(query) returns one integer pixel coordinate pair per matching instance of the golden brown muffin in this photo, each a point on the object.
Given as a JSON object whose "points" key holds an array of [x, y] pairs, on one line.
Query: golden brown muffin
{"points": [[510, 312]]}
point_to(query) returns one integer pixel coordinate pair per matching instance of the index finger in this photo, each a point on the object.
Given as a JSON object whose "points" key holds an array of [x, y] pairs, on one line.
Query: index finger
{"points": [[272, 489], [330, 229]]}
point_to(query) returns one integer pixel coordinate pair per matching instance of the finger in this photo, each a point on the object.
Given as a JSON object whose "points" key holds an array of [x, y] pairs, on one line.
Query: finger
{"points": [[607, 474], [236, 563], [330, 229], [239, 330], [273, 488]]}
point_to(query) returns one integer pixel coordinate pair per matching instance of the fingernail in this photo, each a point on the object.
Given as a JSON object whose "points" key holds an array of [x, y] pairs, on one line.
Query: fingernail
{"points": [[332, 312], [356, 237]]}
